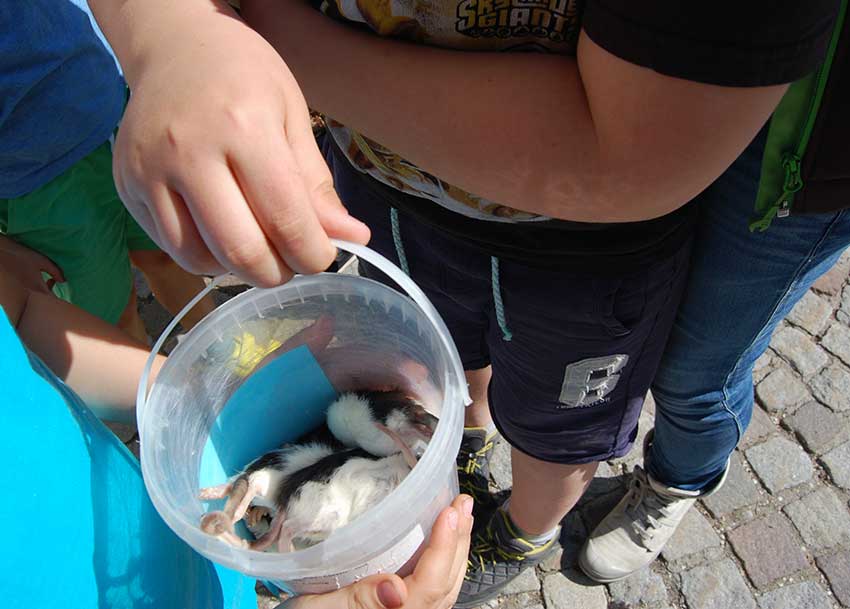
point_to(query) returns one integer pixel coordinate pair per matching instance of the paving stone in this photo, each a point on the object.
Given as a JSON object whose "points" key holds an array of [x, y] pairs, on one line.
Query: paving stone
{"points": [[645, 586], [822, 519], [154, 316], [571, 590], [815, 425], [526, 582], [125, 433], [348, 266], [517, 601], [559, 561], [134, 447], [229, 281], [843, 313], [593, 511], [837, 464], [500, 465], [220, 296], [805, 595], [765, 360], [739, 490], [832, 387], [760, 427], [837, 341], [649, 404], [801, 350], [836, 567], [573, 535], [716, 586], [782, 390], [763, 365], [607, 480], [769, 549], [812, 313], [267, 601], [646, 423], [693, 535], [780, 464], [143, 291], [831, 281]]}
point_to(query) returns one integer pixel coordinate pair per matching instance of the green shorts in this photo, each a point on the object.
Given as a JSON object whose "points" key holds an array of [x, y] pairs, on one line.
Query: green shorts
{"points": [[78, 221]]}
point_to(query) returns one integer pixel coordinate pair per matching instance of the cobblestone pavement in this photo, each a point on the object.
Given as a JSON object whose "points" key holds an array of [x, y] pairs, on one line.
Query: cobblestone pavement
{"points": [[777, 536]]}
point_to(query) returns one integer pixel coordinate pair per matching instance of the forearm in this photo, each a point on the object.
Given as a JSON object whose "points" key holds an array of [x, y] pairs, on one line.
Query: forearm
{"points": [[521, 129], [142, 32], [97, 360]]}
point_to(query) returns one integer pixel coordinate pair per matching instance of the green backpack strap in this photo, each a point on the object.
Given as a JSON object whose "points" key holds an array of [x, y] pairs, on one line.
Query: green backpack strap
{"points": [[788, 137]]}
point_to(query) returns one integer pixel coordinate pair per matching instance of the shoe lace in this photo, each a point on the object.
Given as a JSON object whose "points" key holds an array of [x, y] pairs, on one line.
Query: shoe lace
{"points": [[646, 507], [487, 552], [472, 463], [478, 493]]}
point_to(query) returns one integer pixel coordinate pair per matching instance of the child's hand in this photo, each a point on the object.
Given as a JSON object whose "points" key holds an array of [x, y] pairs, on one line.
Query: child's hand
{"points": [[434, 584], [27, 266], [216, 158]]}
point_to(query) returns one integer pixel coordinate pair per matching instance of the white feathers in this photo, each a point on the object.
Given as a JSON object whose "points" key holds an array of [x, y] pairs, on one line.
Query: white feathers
{"points": [[266, 481], [320, 508], [299, 457], [351, 421], [340, 484]]}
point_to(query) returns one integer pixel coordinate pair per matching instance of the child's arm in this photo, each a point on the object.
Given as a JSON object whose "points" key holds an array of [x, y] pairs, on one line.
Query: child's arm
{"points": [[27, 265], [590, 139], [216, 156], [98, 361]]}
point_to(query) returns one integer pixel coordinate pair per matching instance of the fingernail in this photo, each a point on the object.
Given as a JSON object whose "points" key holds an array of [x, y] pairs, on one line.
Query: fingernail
{"points": [[467, 507], [453, 519], [388, 596]]}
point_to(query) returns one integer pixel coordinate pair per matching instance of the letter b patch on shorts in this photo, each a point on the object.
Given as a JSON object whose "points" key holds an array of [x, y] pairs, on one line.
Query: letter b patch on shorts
{"points": [[586, 383]]}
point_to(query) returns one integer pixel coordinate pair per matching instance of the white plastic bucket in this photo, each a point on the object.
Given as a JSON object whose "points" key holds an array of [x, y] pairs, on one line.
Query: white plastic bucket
{"points": [[371, 320]]}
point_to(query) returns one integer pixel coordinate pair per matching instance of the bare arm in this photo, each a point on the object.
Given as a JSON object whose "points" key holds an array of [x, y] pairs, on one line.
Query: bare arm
{"points": [[215, 156], [98, 361], [588, 139]]}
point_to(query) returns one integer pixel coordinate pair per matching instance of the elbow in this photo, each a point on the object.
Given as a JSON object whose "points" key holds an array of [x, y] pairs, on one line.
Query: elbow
{"points": [[609, 195]]}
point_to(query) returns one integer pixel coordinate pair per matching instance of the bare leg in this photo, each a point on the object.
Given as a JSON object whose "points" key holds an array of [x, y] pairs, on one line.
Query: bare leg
{"points": [[478, 413], [544, 492], [131, 322], [172, 286], [238, 490], [250, 492], [218, 524], [215, 492], [409, 457]]}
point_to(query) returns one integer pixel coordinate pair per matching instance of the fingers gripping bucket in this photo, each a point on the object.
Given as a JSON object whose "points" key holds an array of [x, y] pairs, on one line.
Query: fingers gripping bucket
{"points": [[281, 353]]}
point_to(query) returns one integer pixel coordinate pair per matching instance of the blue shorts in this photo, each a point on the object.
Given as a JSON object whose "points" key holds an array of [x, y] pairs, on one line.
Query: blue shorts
{"points": [[573, 354]]}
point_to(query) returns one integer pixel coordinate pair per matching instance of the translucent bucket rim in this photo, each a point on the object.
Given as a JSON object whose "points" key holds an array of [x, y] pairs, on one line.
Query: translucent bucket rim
{"points": [[413, 491]]}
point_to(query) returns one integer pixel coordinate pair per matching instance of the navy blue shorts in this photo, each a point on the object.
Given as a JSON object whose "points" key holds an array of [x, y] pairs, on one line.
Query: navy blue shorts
{"points": [[569, 384]]}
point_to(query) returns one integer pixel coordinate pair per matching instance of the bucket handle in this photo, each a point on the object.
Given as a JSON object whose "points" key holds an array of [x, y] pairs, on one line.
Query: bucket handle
{"points": [[362, 252]]}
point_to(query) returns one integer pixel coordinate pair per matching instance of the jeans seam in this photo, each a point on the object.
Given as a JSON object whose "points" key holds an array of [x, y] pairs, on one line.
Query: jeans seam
{"points": [[792, 284]]}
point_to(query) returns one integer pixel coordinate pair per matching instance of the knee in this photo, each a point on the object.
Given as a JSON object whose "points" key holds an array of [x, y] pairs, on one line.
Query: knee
{"points": [[705, 409]]}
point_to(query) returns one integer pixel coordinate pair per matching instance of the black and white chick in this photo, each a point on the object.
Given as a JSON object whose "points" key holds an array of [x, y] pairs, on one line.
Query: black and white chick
{"points": [[308, 490]]}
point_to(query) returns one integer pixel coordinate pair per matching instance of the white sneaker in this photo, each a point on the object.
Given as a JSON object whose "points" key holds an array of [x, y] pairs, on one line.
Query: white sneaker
{"points": [[633, 534]]}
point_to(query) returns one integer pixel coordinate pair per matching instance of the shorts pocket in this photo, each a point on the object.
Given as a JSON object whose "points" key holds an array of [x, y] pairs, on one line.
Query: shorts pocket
{"points": [[621, 304]]}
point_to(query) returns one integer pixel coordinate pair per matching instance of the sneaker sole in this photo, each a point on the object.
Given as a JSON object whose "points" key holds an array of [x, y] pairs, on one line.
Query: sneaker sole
{"points": [[477, 603], [486, 598]]}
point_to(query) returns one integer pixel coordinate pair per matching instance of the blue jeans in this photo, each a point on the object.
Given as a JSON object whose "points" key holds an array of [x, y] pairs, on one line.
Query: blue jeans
{"points": [[741, 286]]}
